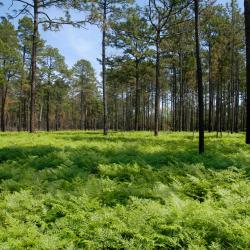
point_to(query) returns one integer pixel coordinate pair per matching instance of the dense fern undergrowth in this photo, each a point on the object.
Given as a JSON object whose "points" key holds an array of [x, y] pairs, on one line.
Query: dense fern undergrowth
{"points": [[80, 190]]}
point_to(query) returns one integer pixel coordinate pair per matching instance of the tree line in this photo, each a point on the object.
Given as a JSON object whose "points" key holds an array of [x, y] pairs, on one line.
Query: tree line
{"points": [[180, 65]]}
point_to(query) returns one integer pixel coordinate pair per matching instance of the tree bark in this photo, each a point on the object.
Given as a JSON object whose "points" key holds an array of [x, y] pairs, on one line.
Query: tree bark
{"points": [[247, 31], [211, 91], [137, 95], [4, 96], [157, 86], [33, 68], [105, 104], [199, 78], [81, 110], [48, 110]]}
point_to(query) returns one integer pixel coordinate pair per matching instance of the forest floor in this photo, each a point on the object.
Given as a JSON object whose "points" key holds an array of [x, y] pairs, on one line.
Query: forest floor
{"points": [[81, 190]]}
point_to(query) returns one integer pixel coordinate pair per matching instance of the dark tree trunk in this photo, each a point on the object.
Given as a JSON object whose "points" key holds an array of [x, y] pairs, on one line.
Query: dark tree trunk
{"points": [[137, 95], [247, 31], [174, 100], [157, 86], [211, 92], [219, 104], [181, 105], [33, 68], [81, 111], [3, 102], [123, 112], [48, 110], [105, 104], [25, 115], [199, 79], [116, 108], [236, 113]]}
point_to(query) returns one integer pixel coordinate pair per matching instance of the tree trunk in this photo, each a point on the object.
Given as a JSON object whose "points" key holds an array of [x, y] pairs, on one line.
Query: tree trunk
{"points": [[157, 86], [81, 110], [137, 95], [174, 100], [247, 31], [4, 96], [105, 104], [33, 68], [199, 79], [40, 116], [211, 91], [48, 110], [181, 105], [236, 113]]}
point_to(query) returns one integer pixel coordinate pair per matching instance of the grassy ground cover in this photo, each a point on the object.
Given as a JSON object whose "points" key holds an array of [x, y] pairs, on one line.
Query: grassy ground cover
{"points": [[80, 190]]}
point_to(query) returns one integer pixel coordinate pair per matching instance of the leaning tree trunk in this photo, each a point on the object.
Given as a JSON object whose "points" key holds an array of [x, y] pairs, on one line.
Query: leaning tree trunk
{"points": [[33, 68], [247, 31], [199, 79]]}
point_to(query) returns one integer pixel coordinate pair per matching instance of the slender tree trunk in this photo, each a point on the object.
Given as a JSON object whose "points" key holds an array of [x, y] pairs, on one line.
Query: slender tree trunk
{"points": [[211, 91], [4, 96], [20, 107], [105, 104], [175, 100], [25, 126], [33, 68], [116, 108], [137, 95], [40, 116], [21, 98], [48, 110], [247, 31], [81, 110], [181, 91], [236, 113], [218, 104], [199, 79], [123, 111], [57, 115], [157, 86]]}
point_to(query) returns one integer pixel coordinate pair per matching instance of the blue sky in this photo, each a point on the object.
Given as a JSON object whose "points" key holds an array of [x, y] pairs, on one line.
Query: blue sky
{"points": [[75, 44]]}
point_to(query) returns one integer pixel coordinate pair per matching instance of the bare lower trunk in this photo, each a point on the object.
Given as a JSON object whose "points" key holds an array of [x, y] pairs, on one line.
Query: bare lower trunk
{"points": [[48, 111], [105, 104], [3, 102], [157, 88], [137, 95]]}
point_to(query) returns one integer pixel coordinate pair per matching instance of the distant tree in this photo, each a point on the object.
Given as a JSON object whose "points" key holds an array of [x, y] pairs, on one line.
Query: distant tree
{"points": [[133, 36], [85, 81], [25, 32], [161, 15], [102, 12], [38, 11], [60, 90], [10, 63], [52, 67]]}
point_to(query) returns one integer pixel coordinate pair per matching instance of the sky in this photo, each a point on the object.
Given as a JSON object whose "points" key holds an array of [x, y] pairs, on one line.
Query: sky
{"points": [[75, 44]]}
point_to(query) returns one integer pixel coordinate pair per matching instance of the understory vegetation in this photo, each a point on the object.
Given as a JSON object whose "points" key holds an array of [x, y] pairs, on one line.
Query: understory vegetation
{"points": [[80, 190]]}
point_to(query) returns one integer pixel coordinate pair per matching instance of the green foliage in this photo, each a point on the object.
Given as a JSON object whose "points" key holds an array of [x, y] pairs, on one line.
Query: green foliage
{"points": [[72, 190]]}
